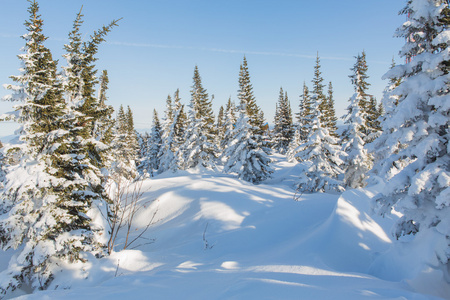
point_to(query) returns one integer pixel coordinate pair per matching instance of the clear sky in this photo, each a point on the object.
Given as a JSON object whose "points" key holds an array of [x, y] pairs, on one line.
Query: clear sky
{"points": [[158, 43]]}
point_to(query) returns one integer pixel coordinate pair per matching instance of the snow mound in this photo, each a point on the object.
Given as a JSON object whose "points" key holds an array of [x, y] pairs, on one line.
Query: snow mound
{"points": [[351, 237]]}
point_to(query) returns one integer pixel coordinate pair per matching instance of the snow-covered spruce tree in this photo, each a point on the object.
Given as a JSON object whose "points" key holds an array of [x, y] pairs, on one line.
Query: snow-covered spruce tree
{"points": [[125, 146], [244, 154], [24, 202], [357, 162], [417, 133], [220, 128], [331, 112], [230, 123], [199, 148], [150, 161], [47, 212], [167, 151], [289, 130], [245, 94], [320, 155], [174, 134], [132, 140], [318, 90], [142, 166], [168, 116], [283, 130], [85, 159], [359, 80], [326, 107], [303, 125], [81, 160], [254, 112]]}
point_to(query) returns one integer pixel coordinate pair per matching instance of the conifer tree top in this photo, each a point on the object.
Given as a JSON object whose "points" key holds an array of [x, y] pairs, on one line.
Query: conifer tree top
{"points": [[317, 81]]}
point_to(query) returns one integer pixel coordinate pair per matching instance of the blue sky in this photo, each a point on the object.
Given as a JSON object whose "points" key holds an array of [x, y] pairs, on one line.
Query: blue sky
{"points": [[158, 43]]}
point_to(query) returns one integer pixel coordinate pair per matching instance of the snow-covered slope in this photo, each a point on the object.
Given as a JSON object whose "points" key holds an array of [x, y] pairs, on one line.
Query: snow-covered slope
{"points": [[221, 238]]}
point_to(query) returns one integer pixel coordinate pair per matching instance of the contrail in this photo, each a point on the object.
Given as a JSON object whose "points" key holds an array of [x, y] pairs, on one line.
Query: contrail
{"points": [[231, 51]]}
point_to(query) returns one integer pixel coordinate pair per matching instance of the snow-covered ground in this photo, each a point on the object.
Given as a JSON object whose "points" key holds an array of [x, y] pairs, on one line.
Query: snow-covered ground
{"points": [[217, 237]]}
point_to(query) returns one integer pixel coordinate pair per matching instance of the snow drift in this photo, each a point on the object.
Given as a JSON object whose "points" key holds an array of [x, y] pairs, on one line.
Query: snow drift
{"points": [[221, 238]]}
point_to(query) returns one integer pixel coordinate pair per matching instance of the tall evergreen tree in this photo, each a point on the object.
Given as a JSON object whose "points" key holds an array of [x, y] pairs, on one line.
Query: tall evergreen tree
{"points": [[131, 135], [150, 159], [180, 120], [359, 80], [318, 90], [320, 155], [82, 160], [155, 142], [167, 151], [174, 135], [331, 112], [359, 77], [143, 154], [358, 162], [220, 128], [168, 117], [283, 129], [229, 125], [199, 148], [245, 94], [125, 145], [416, 135], [326, 107], [23, 202], [303, 124]]}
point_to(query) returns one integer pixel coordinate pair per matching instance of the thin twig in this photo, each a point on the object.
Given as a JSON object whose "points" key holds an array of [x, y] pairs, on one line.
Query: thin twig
{"points": [[117, 269], [207, 246]]}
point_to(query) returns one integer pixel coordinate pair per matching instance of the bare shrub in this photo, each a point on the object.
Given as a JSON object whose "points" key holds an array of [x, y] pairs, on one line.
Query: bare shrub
{"points": [[124, 204]]}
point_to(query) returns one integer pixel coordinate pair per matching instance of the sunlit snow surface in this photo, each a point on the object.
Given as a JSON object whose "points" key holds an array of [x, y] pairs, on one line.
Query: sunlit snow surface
{"points": [[217, 237]]}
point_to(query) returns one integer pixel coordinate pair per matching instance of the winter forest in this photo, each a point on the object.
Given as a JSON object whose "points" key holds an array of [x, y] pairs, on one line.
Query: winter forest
{"points": [[228, 204]]}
